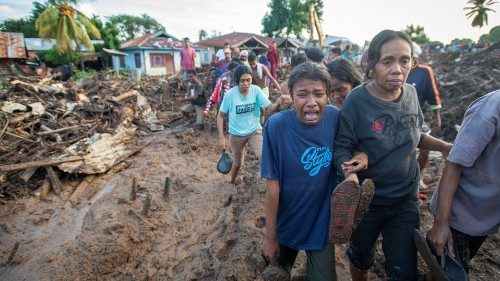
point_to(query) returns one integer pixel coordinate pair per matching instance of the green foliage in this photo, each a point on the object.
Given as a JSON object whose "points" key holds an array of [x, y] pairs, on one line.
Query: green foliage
{"points": [[109, 33], [24, 25], [495, 34], [130, 27], [478, 10], [53, 58], [67, 25], [417, 34], [459, 41], [202, 34], [79, 74], [289, 17]]}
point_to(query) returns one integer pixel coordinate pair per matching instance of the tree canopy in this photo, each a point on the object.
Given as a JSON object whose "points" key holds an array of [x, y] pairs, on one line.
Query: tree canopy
{"points": [[417, 34], [289, 17], [25, 25], [131, 27], [67, 25], [109, 32]]}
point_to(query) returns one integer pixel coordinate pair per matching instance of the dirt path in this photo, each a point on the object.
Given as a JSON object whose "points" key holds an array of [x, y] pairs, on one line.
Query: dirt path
{"points": [[206, 229]]}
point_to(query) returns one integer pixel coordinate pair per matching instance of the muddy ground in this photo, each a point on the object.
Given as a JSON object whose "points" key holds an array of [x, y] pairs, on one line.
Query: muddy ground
{"points": [[206, 229]]}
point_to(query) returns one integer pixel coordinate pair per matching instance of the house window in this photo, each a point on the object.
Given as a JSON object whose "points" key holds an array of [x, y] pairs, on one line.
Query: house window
{"points": [[137, 58], [157, 61], [122, 61]]}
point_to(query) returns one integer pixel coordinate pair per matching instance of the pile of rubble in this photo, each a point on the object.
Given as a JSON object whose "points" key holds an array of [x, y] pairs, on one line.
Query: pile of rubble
{"points": [[462, 79], [85, 127]]}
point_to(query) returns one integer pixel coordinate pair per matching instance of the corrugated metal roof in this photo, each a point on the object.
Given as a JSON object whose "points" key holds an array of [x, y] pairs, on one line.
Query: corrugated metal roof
{"points": [[38, 44], [12, 45]]}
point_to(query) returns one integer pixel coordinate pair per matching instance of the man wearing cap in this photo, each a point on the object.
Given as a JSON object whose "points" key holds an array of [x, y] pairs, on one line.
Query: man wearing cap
{"points": [[222, 64], [422, 78], [220, 53]]}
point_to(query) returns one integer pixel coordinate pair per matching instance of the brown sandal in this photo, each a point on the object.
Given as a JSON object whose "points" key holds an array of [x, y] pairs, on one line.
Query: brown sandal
{"points": [[344, 203]]}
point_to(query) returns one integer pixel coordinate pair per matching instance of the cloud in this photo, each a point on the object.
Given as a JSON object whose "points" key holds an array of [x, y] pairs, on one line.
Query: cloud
{"points": [[7, 12]]}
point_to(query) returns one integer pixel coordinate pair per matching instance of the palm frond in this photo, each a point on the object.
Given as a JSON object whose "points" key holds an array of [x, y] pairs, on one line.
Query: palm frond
{"points": [[47, 22], [80, 35], [64, 41], [89, 26]]}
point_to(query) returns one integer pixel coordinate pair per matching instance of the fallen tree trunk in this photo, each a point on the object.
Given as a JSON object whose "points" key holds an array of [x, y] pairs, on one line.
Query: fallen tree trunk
{"points": [[41, 163]]}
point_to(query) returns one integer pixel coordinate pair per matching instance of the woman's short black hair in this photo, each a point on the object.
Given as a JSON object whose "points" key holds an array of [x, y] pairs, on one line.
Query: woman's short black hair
{"points": [[345, 71], [380, 39], [240, 70], [252, 56], [309, 70]]}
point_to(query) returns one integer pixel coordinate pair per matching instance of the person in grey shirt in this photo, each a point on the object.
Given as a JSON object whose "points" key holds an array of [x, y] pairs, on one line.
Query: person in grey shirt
{"points": [[466, 203], [383, 119]]}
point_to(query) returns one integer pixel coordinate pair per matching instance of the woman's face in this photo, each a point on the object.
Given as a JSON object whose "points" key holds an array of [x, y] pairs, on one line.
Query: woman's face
{"points": [[339, 90], [395, 63]]}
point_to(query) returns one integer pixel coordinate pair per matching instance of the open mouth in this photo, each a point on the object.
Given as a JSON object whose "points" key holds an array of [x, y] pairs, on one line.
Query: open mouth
{"points": [[311, 116]]}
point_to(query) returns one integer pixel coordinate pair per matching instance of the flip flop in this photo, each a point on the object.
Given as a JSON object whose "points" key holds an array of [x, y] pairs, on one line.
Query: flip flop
{"points": [[344, 203], [367, 192], [429, 258]]}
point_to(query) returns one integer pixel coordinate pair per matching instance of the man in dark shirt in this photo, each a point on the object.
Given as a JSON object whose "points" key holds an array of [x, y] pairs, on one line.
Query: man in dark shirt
{"points": [[196, 98]]}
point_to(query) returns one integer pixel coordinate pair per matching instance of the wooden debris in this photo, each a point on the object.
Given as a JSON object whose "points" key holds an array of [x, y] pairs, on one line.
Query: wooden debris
{"points": [[133, 189], [81, 189], [41, 163], [166, 187], [12, 254], [146, 206], [54, 180]]}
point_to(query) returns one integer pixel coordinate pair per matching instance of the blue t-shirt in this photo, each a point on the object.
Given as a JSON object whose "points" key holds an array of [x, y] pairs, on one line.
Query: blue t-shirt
{"points": [[299, 157], [244, 111]]}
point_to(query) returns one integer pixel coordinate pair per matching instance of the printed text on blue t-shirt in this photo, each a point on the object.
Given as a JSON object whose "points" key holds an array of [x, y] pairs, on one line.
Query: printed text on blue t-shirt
{"points": [[314, 158], [245, 108]]}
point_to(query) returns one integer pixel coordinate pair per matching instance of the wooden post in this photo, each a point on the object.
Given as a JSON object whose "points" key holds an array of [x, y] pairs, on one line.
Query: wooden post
{"points": [[133, 190], [166, 187], [54, 180], [147, 205]]}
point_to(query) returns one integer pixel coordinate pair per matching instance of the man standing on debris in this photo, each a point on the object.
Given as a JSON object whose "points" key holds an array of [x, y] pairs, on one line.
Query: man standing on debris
{"points": [[422, 78], [196, 97], [259, 74], [273, 55], [299, 177], [465, 203], [187, 58], [242, 106], [222, 64]]}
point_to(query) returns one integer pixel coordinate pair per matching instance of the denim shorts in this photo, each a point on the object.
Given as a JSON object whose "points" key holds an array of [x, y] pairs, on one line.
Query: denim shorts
{"points": [[396, 223]]}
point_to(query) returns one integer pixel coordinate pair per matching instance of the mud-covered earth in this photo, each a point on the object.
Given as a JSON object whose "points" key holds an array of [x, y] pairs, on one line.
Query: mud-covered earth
{"points": [[202, 228]]}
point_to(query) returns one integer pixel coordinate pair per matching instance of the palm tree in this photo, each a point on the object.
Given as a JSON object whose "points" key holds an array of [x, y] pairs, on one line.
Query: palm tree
{"points": [[66, 24], [479, 10]]}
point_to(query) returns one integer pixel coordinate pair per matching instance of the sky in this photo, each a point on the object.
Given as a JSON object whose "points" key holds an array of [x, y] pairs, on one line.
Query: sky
{"points": [[358, 20]]}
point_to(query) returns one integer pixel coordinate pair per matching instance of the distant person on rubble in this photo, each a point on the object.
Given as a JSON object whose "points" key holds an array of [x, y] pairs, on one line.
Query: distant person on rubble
{"points": [[242, 106], [297, 163], [274, 57], [465, 203], [315, 54], [244, 57], [188, 55], [197, 100], [422, 78], [259, 74], [383, 119], [347, 54], [334, 53], [220, 53], [222, 64]]}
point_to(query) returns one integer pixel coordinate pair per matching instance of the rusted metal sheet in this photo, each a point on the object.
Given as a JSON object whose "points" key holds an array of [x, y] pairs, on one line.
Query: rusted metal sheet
{"points": [[12, 45]]}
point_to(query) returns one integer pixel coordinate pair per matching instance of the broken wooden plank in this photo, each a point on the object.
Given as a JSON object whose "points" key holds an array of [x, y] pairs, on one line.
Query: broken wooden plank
{"points": [[27, 174], [41, 163], [55, 131], [81, 189], [12, 254], [133, 189], [54, 180]]}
